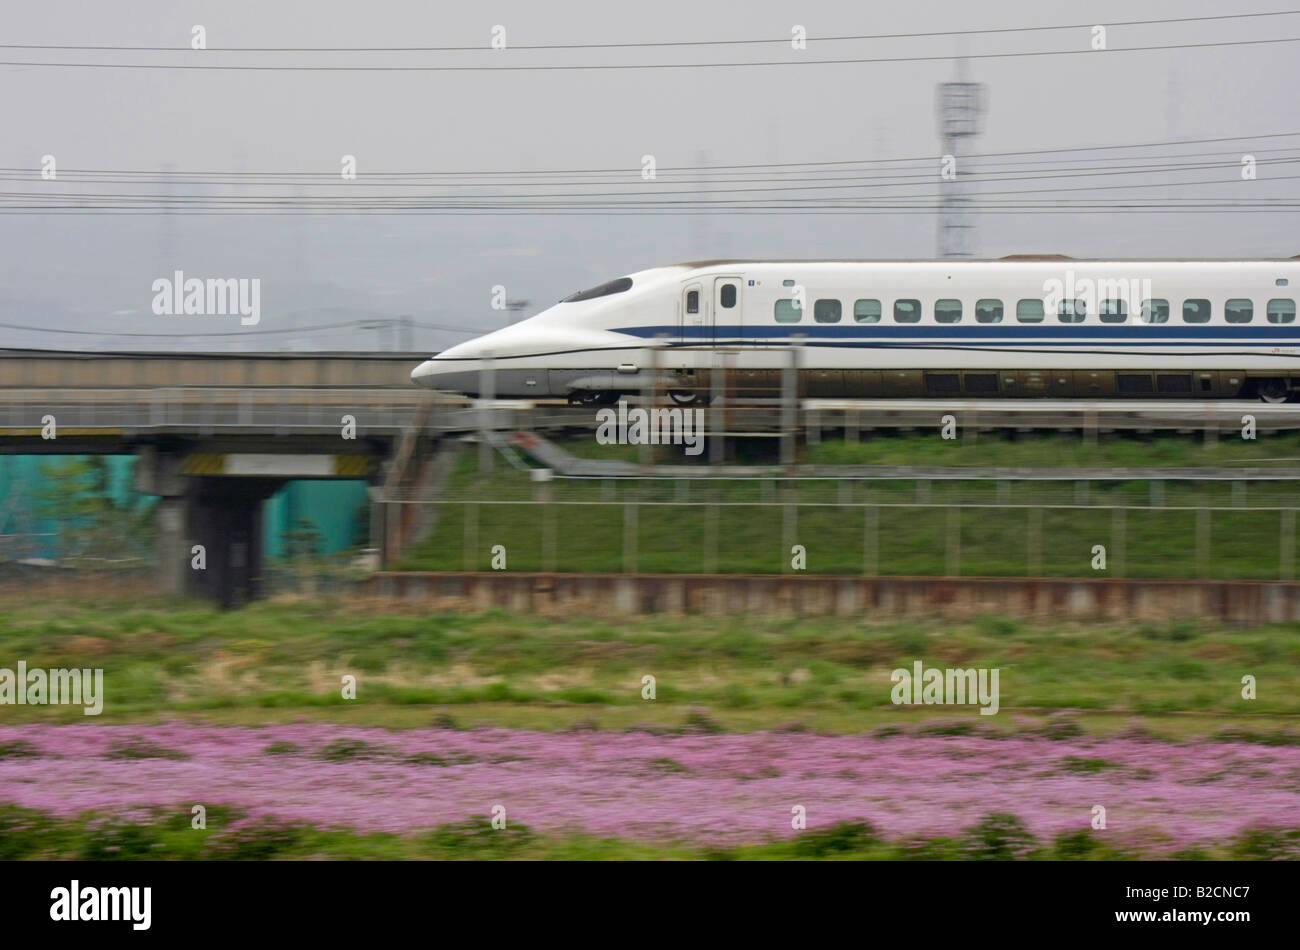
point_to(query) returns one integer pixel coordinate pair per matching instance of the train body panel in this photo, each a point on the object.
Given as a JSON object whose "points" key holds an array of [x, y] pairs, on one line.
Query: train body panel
{"points": [[1055, 327]]}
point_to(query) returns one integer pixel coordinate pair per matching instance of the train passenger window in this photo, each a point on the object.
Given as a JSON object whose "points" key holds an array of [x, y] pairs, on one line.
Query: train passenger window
{"points": [[907, 311], [692, 301], [988, 311], [1154, 310], [727, 297], [826, 311], [866, 311], [1113, 310], [787, 312], [947, 311], [1029, 311], [1196, 311], [1071, 311], [1281, 310], [1238, 310]]}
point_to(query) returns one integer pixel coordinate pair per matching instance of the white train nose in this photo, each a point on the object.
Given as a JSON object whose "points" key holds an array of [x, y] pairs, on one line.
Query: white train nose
{"points": [[423, 374], [452, 376]]}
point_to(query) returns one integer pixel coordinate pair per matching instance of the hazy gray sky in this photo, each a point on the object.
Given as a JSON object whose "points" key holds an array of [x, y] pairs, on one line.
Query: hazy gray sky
{"points": [[94, 272]]}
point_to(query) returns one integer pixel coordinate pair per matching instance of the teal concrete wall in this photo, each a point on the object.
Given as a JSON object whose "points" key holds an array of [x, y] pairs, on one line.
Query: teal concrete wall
{"points": [[23, 511], [334, 509]]}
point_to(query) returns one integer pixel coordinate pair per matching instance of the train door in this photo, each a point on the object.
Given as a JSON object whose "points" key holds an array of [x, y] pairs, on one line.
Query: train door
{"points": [[726, 306], [695, 314]]}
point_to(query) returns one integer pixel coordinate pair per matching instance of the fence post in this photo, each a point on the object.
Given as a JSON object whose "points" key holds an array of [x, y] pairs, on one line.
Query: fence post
{"points": [[870, 539], [789, 523], [471, 535], [544, 496], [1117, 542], [1286, 545], [1157, 489], [711, 533], [1034, 561], [629, 537], [1202, 542], [378, 523], [953, 567]]}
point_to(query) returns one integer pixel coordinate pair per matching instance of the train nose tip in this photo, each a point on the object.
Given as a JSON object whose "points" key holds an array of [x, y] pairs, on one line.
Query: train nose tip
{"points": [[423, 374], [446, 376]]}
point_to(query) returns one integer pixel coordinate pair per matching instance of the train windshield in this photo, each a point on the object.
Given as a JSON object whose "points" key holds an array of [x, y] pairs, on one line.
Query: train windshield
{"points": [[604, 290]]}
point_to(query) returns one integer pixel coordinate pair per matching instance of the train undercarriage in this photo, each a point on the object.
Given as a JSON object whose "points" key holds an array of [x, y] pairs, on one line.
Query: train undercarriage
{"points": [[689, 386]]}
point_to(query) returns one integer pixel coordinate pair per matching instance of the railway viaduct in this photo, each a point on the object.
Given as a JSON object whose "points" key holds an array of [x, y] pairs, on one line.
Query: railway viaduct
{"points": [[218, 434]]}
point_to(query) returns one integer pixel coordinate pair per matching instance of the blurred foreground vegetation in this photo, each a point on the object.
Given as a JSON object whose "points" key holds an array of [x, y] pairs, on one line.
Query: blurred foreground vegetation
{"points": [[284, 660], [168, 835]]}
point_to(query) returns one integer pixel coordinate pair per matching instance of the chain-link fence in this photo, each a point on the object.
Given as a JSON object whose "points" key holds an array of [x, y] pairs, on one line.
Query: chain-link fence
{"points": [[920, 527]]}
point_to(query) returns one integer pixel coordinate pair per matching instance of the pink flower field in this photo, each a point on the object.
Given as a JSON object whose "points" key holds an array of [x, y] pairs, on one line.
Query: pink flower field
{"points": [[728, 788]]}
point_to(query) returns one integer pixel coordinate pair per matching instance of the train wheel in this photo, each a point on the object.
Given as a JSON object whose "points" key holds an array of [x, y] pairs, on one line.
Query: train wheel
{"points": [[1272, 390], [586, 397]]}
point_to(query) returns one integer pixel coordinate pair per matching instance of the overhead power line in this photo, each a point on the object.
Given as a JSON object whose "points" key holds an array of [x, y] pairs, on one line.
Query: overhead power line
{"points": [[571, 67], [1036, 180], [648, 44], [920, 174], [782, 184], [928, 159]]}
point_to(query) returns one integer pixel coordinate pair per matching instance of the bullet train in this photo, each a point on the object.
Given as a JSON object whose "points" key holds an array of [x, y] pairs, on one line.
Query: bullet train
{"points": [[1021, 326]]}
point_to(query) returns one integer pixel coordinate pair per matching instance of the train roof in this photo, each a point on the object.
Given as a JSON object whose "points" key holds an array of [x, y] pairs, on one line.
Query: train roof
{"points": [[1008, 259]]}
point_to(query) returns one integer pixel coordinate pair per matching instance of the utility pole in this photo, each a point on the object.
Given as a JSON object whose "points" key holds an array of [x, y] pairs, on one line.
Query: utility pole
{"points": [[960, 108]]}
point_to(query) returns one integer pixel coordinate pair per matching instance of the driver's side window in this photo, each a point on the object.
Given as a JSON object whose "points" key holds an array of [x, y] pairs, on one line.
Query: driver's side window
{"points": [[692, 301]]}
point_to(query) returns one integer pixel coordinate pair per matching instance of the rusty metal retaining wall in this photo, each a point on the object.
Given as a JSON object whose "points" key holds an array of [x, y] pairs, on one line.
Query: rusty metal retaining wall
{"points": [[1246, 602]]}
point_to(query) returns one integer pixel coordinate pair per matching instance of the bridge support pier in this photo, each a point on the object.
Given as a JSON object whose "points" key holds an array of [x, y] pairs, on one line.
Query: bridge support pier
{"points": [[209, 540], [225, 517], [172, 545]]}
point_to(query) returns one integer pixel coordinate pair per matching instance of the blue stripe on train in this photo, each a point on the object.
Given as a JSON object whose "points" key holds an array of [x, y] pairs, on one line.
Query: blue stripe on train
{"points": [[951, 334]]}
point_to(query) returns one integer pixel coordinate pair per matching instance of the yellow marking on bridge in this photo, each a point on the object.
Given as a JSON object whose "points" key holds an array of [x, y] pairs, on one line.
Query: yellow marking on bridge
{"points": [[204, 463], [352, 465]]}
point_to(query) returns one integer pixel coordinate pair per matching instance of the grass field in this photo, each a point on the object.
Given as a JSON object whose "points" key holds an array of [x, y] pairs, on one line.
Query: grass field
{"points": [[284, 661], [908, 531]]}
